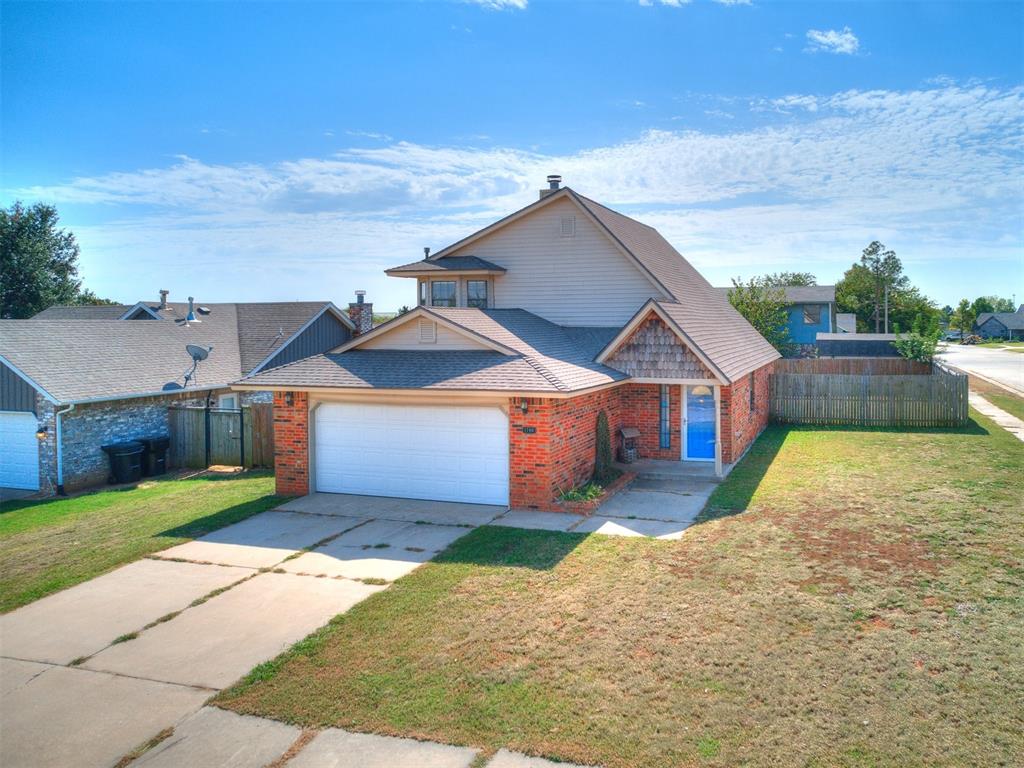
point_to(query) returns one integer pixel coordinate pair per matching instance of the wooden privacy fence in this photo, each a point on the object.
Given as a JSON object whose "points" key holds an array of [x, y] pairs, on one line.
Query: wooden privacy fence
{"points": [[854, 366], [938, 399], [202, 437]]}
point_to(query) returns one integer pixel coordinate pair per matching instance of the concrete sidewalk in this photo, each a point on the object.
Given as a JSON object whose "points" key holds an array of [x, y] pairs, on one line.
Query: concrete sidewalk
{"points": [[1007, 421]]}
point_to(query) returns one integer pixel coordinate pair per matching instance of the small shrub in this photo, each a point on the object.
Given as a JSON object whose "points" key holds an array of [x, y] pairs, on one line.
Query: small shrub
{"points": [[604, 472], [587, 492]]}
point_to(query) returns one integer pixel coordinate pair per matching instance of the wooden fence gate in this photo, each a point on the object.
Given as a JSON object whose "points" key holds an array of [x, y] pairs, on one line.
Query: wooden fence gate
{"points": [[938, 399], [202, 437]]}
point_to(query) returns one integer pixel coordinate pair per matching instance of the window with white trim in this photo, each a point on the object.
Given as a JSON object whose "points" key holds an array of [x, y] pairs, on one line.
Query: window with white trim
{"points": [[228, 401], [442, 293], [476, 294]]}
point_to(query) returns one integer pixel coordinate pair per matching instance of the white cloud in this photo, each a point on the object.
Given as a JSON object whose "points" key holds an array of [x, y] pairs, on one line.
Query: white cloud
{"points": [[501, 5], [734, 2], [669, 3], [933, 172], [832, 41]]}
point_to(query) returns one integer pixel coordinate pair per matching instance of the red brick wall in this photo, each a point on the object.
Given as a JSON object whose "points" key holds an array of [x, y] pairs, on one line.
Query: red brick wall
{"points": [[740, 424], [291, 444], [560, 453], [641, 407]]}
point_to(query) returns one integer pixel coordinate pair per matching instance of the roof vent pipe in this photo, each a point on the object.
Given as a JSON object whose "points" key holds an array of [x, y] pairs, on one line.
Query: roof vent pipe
{"points": [[360, 297], [554, 182], [191, 316], [426, 252], [163, 298]]}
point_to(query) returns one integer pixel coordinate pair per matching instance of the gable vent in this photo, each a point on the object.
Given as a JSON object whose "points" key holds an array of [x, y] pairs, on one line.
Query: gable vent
{"points": [[568, 226], [428, 331]]}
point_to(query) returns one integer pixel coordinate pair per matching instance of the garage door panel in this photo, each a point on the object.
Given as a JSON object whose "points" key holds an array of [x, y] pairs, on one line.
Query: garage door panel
{"points": [[449, 453], [19, 450]]}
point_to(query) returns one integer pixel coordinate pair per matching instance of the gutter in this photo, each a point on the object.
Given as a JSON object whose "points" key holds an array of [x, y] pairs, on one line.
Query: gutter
{"points": [[60, 448]]}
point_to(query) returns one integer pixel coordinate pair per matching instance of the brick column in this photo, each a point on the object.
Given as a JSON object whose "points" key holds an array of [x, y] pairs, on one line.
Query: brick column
{"points": [[291, 443]]}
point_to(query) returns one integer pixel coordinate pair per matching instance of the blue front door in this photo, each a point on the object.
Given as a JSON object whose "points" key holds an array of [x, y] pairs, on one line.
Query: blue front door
{"points": [[700, 423]]}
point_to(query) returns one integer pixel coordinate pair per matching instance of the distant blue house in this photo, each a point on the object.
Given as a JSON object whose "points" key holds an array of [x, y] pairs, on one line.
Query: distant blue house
{"points": [[812, 310]]}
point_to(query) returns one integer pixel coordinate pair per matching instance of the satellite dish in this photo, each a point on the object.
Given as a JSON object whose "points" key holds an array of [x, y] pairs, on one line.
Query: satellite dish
{"points": [[197, 353]]}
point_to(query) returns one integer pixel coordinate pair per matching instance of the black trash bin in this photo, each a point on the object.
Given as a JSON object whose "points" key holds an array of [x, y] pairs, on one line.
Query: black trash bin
{"points": [[154, 457], [125, 461]]}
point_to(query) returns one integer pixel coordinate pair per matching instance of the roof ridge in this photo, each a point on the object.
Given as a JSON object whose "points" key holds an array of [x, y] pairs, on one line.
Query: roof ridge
{"points": [[548, 375]]}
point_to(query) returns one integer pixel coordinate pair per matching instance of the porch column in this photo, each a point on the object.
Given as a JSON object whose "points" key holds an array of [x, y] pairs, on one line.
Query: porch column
{"points": [[718, 431]]}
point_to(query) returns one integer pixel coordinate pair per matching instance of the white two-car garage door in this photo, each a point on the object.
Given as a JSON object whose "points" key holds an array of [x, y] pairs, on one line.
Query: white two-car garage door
{"points": [[19, 450], [447, 453]]}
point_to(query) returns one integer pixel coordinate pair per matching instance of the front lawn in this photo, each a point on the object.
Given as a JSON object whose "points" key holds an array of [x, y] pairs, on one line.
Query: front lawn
{"points": [[999, 397], [866, 609], [52, 544]]}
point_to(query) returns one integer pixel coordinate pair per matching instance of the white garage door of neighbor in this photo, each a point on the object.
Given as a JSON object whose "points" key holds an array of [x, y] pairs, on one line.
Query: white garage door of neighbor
{"points": [[447, 453], [19, 450]]}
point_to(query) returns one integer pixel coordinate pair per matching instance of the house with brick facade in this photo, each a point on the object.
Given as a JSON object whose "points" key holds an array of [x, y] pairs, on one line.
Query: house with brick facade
{"points": [[75, 378], [523, 332]]}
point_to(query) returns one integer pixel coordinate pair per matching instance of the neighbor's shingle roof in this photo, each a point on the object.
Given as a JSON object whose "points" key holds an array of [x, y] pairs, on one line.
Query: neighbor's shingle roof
{"points": [[82, 312], [800, 294], [1013, 321], [107, 359], [448, 264], [548, 359]]}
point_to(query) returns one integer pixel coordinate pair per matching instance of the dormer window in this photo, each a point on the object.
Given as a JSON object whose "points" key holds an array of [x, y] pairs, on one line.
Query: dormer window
{"points": [[442, 293], [476, 294]]}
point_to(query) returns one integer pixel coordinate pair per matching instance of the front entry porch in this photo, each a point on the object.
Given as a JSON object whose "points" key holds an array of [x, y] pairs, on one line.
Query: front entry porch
{"points": [[665, 469]]}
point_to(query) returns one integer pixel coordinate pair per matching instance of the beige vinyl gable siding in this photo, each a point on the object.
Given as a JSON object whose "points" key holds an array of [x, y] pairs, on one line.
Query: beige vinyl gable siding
{"points": [[579, 280], [407, 337]]}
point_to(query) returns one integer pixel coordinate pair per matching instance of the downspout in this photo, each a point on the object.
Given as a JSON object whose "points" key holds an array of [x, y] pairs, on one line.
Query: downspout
{"points": [[60, 448]]}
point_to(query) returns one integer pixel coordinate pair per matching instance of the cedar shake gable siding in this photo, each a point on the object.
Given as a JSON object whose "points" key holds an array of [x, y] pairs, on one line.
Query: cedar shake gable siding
{"points": [[654, 350]]}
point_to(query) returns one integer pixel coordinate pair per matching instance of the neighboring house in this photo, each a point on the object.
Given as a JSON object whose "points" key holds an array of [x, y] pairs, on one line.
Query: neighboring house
{"points": [[1001, 325], [812, 310], [489, 390], [75, 378]]}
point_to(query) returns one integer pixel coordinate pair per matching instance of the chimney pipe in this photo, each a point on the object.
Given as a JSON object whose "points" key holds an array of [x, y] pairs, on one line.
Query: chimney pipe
{"points": [[554, 182], [426, 252], [360, 297], [163, 298]]}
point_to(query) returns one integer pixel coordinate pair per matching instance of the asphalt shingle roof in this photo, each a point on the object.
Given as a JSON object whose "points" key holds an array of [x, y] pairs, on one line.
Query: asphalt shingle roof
{"points": [[548, 359], [800, 294], [101, 359], [448, 264], [82, 312], [107, 359], [724, 336], [1013, 321]]}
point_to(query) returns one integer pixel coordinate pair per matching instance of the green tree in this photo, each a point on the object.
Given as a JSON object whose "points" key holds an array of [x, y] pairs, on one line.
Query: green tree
{"points": [[963, 317], [38, 262], [782, 279], [992, 304], [861, 292], [85, 296], [920, 344], [886, 273], [765, 307]]}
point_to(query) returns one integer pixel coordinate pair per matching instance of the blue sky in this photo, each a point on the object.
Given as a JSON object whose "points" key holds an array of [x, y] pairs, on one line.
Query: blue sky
{"points": [[294, 151]]}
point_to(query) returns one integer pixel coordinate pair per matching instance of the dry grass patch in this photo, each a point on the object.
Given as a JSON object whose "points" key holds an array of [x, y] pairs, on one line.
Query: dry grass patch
{"points": [[865, 609]]}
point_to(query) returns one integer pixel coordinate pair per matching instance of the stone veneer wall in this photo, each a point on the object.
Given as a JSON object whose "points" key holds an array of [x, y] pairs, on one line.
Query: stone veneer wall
{"points": [[92, 425]]}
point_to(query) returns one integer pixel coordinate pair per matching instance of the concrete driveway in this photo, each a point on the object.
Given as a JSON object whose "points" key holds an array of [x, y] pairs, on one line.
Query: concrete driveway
{"points": [[90, 673], [999, 365]]}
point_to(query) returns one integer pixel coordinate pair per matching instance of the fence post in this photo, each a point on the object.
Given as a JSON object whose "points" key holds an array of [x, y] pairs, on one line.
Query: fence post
{"points": [[207, 432], [241, 436]]}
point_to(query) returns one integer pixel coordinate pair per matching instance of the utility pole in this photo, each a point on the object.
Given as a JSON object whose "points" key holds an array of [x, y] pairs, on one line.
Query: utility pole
{"points": [[886, 306]]}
